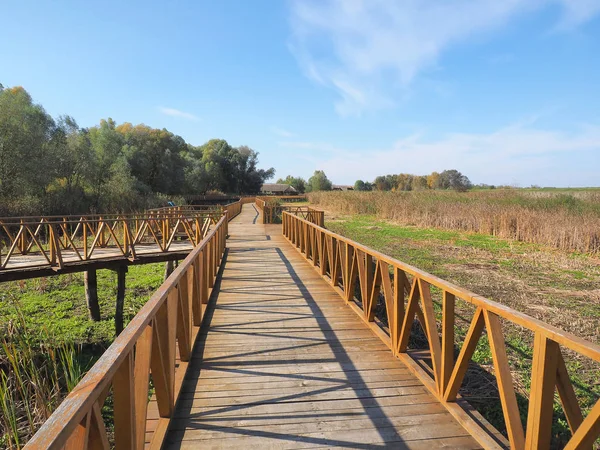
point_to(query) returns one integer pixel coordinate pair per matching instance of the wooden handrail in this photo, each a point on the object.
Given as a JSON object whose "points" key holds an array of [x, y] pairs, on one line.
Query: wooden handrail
{"points": [[271, 212], [346, 265], [170, 320], [50, 237]]}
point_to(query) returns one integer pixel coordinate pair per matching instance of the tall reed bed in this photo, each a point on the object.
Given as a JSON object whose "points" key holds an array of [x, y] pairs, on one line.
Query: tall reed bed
{"points": [[568, 220], [35, 375]]}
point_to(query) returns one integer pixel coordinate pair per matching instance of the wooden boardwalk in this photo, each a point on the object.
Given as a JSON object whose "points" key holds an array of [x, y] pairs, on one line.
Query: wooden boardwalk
{"points": [[284, 363], [290, 352]]}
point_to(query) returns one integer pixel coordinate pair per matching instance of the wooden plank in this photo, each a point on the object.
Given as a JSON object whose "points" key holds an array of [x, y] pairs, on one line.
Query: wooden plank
{"points": [[508, 397], [448, 319], [464, 357], [124, 405], [143, 355], [567, 396]]}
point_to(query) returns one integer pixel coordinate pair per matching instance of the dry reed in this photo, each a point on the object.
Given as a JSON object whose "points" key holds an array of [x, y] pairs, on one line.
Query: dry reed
{"points": [[35, 375], [567, 221]]}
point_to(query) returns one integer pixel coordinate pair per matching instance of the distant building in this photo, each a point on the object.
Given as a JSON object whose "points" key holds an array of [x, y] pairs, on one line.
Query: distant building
{"points": [[342, 187], [278, 189]]}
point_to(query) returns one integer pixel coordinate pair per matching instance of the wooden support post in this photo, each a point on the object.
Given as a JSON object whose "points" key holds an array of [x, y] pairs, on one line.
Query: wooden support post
{"points": [[90, 280], [168, 269], [121, 273]]}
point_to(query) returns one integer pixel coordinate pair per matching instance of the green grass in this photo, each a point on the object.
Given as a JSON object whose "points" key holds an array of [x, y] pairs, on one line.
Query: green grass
{"points": [[57, 304]]}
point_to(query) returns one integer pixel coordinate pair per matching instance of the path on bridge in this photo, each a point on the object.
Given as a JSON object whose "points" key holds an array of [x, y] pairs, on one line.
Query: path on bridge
{"points": [[285, 363]]}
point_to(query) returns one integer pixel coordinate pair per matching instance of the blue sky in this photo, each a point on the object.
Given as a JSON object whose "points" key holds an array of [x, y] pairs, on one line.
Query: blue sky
{"points": [[504, 91]]}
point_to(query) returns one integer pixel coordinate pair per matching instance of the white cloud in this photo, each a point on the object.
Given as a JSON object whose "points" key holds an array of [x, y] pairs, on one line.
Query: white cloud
{"points": [[177, 113], [282, 132], [367, 50], [577, 12], [518, 153]]}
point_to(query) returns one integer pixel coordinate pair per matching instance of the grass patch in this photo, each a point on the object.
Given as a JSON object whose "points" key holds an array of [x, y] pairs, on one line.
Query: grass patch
{"points": [[57, 304]]}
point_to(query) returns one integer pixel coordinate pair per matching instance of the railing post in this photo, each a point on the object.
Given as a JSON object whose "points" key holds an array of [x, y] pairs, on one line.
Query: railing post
{"points": [[124, 405], [447, 359], [23, 239], [126, 242], [541, 399], [141, 370], [55, 254]]}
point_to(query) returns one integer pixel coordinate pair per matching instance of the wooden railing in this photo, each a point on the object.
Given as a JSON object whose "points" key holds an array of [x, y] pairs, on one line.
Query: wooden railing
{"points": [[247, 199], [271, 211], [407, 294], [158, 341], [81, 236], [188, 208], [233, 209]]}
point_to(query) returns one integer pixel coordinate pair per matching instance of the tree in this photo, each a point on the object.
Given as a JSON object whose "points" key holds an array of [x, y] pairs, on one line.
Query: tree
{"points": [[453, 179], [249, 179], [26, 130], [107, 146], [359, 185], [419, 183], [318, 182], [404, 182], [196, 178], [381, 183], [297, 183], [433, 180], [72, 153], [154, 156]]}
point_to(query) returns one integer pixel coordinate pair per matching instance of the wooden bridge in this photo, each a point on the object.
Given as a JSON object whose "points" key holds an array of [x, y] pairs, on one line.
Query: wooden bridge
{"points": [[267, 336], [32, 247]]}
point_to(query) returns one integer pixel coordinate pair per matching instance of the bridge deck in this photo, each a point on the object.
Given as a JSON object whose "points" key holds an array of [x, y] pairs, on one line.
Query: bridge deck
{"points": [[34, 264], [285, 363]]}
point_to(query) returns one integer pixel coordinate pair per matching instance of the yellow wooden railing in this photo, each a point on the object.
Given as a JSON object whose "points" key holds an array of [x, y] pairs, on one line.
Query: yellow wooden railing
{"points": [[81, 236], [407, 293], [271, 212], [233, 208], [158, 340]]}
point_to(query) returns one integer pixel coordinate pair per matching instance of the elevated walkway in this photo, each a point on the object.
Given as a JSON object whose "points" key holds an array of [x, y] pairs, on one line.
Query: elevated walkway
{"points": [[285, 363]]}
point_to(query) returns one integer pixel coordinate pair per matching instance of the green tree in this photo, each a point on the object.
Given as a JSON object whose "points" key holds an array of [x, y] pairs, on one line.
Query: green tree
{"points": [[107, 147], [318, 182], [26, 131], [217, 155], [359, 185], [73, 156], [453, 179], [297, 183], [248, 177], [382, 183], [155, 157]]}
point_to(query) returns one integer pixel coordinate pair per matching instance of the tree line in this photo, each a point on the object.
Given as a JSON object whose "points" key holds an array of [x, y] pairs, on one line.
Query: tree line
{"points": [[318, 182], [54, 166], [448, 179]]}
